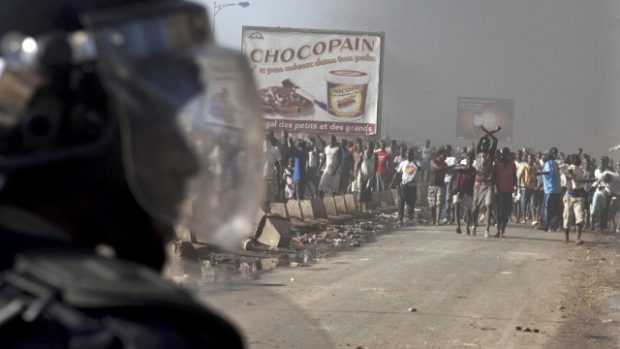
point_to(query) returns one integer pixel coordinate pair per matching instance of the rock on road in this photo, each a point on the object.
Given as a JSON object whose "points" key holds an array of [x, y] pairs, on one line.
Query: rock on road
{"points": [[427, 287]]}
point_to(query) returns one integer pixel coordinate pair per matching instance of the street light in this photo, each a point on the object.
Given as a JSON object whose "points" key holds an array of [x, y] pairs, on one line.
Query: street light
{"points": [[218, 7]]}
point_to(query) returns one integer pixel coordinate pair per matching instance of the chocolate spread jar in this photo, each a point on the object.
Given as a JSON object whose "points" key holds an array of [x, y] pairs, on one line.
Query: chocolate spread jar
{"points": [[346, 93]]}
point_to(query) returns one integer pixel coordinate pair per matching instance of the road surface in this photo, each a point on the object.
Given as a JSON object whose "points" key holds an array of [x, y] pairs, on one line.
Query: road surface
{"points": [[427, 287]]}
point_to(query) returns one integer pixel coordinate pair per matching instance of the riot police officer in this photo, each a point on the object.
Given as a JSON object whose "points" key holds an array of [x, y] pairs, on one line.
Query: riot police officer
{"points": [[113, 116]]}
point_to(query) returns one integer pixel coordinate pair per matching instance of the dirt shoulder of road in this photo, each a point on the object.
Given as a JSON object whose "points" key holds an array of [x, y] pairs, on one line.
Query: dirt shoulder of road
{"points": [[590, 302]]}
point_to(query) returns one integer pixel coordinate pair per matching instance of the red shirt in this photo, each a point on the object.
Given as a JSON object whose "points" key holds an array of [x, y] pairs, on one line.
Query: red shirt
{"points": [[464, 182], [382, 159], [505, 174]]}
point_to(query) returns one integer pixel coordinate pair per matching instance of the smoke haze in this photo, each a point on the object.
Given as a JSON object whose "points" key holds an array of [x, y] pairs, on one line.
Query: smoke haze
{"points": [[558, 59]]}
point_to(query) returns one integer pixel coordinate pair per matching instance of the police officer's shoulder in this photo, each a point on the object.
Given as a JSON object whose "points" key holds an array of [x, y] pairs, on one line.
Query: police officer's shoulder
{"points": [[97, 302]]}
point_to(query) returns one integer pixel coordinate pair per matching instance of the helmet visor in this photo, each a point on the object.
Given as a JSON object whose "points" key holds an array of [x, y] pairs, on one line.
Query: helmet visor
{"points": [[191, 130]]}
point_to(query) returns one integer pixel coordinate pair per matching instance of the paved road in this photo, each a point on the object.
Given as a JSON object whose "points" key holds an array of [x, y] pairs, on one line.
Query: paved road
{"points": [[467, 292]]}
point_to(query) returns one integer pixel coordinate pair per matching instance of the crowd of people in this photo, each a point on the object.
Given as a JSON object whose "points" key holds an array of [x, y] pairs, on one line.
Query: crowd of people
{"points": [[480, 184]]}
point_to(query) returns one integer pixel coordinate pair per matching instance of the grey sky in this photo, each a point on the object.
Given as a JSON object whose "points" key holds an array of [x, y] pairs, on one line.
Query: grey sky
{"points": [[558, 59]]}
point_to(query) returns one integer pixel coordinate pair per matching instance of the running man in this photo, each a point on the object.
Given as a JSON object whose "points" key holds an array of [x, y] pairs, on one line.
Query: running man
{"points": [[463, 192]]}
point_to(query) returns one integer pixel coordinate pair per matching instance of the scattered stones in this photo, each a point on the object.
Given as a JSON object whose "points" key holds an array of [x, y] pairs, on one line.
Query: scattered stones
{"points": [[527, 329], [354, 244]]}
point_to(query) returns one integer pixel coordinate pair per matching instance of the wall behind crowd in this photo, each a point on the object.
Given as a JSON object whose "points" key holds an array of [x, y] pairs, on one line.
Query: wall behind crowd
{"points": [[558, 59]]}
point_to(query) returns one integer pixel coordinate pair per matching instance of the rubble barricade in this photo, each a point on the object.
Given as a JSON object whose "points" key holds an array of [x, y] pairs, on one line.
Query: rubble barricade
{"points": [[184, 259], [259, 222], [275, 232], [279, 209], [293, 207], [341, 204], [313, 208], [330, 206], [351, 202]]}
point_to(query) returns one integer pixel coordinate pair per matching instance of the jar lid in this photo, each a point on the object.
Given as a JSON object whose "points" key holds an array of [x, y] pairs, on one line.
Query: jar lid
{"points": [[347, 76]]}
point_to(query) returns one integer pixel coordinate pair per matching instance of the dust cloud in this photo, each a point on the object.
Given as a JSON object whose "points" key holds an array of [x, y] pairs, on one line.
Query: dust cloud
{"points": [[559, 60]]}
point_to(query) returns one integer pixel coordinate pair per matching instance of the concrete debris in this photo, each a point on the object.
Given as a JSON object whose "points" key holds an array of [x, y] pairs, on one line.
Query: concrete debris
{"points": [[185, 250], [305, 258], [275, 232], [279, 209], [245, 271], [296, 242], [181, 279], [247, 244]]}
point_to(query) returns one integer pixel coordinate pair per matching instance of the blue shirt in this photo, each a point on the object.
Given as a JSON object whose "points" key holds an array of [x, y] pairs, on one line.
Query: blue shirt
{"points": [[299, 164], [551, 181]]}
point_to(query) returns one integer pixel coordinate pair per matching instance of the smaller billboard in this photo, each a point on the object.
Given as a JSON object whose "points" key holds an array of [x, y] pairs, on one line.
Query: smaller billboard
{"points": [[474, 112]]}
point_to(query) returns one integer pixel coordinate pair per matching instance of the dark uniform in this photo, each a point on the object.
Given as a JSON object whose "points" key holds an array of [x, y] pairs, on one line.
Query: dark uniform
{"points": [[103, 110]]}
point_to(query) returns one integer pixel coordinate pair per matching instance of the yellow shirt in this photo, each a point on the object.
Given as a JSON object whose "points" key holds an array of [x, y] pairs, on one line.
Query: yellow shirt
{"points": [[528, 177]]}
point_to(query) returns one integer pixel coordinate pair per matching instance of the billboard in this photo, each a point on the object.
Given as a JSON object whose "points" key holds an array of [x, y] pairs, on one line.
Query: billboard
{"points": [[488, 112], [317, 81]]}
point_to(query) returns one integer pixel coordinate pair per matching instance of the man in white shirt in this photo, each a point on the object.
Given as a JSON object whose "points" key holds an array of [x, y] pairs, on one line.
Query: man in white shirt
{"points": [[451, 161], [330, 180], [601, 210], [407, 189], [575, 197], [603, 167], [520, 163], [612, 182]]}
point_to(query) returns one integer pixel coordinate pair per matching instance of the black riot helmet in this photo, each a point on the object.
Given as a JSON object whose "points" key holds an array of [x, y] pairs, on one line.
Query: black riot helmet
{"points": [[113, 112]]}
